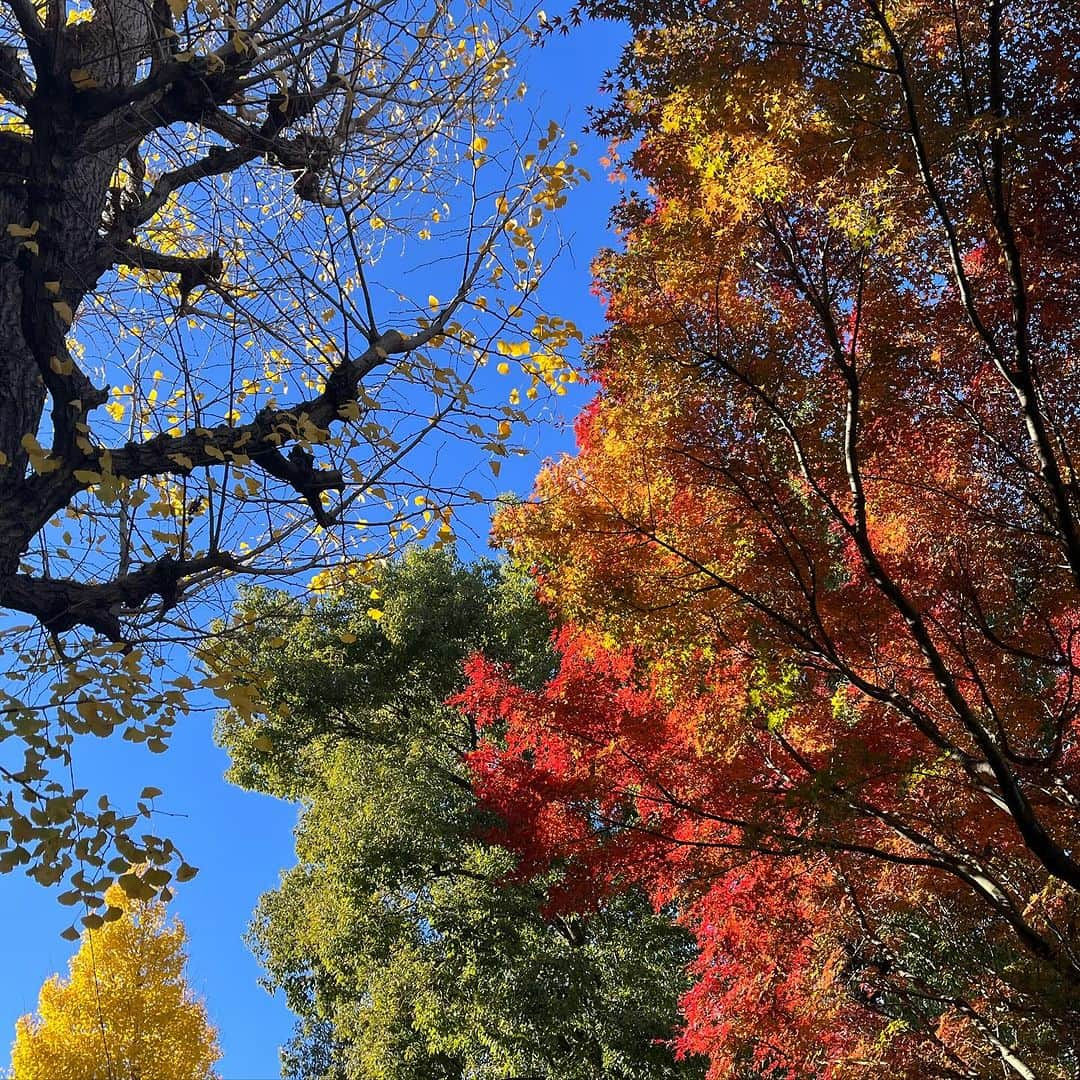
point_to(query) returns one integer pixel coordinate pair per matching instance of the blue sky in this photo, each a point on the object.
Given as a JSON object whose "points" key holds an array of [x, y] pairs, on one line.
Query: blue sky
{"points": [[241, 841]]}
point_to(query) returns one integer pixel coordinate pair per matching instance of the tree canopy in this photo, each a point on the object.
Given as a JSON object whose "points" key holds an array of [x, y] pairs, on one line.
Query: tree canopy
{"points": [[809, 722], [402, 938], [202, 376], [817, 552], [125, 1011]]}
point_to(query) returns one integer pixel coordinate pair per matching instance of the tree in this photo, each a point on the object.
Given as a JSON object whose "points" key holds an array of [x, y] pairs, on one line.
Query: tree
{"points": [[402, 939], [819, 541], [201, 379], [125, 1012]]}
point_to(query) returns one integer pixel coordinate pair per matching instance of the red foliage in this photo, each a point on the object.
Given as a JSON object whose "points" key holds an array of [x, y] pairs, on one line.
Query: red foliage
{"points": [[818, 554]]}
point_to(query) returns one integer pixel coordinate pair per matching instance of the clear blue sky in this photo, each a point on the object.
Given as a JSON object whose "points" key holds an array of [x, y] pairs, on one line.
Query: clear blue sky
{"points": [[241, 841]]}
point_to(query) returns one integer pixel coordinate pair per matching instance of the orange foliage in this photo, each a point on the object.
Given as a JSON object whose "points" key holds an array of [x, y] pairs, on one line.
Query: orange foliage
{"points": [[823, 516]]}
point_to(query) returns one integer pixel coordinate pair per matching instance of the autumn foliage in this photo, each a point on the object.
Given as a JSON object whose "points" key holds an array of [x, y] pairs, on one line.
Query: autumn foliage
{"points": [[818, 555], [125, 1012]]}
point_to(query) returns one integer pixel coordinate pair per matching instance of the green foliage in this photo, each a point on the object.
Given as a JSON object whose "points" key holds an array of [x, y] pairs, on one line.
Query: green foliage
{"points": [[401, 939]]}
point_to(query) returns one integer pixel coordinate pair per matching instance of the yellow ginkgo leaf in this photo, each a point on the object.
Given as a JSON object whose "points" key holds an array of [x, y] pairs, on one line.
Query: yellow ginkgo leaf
{"points": [[82, 79], [21, 232]]}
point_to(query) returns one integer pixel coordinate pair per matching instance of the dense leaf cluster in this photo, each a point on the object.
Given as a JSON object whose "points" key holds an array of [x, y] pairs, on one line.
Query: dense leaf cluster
{"points": [[403, 939], [818, 553], [125, 1011]]}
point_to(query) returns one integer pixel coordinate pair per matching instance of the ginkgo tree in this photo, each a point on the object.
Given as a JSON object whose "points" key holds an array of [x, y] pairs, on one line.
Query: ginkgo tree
{"points": [[125, 1012], [201, 378]]}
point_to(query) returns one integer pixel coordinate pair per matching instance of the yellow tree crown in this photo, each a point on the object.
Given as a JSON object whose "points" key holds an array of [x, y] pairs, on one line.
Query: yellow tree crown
{"points": [[125, 1011]]}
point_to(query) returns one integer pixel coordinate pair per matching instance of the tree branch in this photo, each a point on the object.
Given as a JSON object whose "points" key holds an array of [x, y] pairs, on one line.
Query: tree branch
{"points": [[60, 604], [14, 82]]}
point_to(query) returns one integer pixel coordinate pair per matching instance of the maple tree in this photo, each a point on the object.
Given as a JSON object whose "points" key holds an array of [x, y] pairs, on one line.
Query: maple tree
{"points": [[201, 377], [125, 1011], [402, 939], [818, 552]]}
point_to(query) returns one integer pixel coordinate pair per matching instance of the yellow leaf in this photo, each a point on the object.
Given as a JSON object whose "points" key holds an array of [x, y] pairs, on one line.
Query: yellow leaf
{"points": [[374, 613], [479, 144], [63, 310], [82, 79], [21, 232], [40, 462], [433, 302], [346, 637]]}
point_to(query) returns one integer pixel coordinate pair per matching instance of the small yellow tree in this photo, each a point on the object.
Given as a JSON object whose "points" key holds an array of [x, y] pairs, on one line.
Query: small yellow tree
{"points": [[125, 1012]]}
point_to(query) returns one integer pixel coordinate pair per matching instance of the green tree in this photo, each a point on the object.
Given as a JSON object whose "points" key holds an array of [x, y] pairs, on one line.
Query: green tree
{"points": [[401, 938]]}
